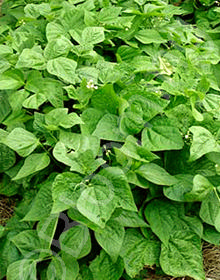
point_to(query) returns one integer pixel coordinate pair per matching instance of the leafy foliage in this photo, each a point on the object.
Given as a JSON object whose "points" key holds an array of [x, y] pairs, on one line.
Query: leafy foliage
{"points": [[109, 137]]}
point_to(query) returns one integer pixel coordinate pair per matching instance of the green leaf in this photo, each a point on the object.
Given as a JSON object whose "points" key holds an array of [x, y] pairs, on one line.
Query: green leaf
{"points": [[28, 243], [164, 217], [31, 58], [105, 99], [122, 190], [63, 68], [177, 191], [160, 137], [92, 35], [22, 270], [203, 142], [7, 158], [65, 191], [21, 141], [46, 229], [35, 10], [108, 129], [156, 174], [75, 215], [132, 149], [60, 117], [32, 164], [138, 251], [5, 108], [42, 204], [63, 268], [103, 267], [11, 79], [149, 36], [76, 241], [128, 218], [182, 256], [210, 210], [57, 47], [97, 202], [201, 188], [111, 238]]}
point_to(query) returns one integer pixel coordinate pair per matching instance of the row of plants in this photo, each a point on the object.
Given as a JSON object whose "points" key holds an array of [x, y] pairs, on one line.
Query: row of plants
{"points": [[109, 137]]}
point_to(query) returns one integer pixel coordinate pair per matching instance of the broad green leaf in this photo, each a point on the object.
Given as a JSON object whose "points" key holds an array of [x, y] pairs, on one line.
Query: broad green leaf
{"points": [[76, 241], [122, 190], [11, 79], [98, 201], [46, 229], [111, 238], [31, 58], [63, 267], [203, 142], [108, 129], [22, 270], [201, 188], [105, 99], [7, 158], [93, 35], [148, 36], [156, 174], [75, 215], [65, 191], [60, 117], [211, 235], [128, 218], [182, 256], [183, 186], [132, 149], [210, 210], [57, 47], [32, 164], [138, 252], [22, 141], [54, 31], [34, 101], [159, 138], [28, 243], [5, 108], [63, 68], [109, 14], [102, 267], [42, 204], [164, 217], [35, 10]]}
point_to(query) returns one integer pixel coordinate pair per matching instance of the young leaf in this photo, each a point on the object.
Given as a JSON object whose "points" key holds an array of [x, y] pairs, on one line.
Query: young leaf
{"points": [[97, 202], [156, 174], [65, 191], [32, 164], [22, 270], [203, 143], [11, 79], [22, 141], [63, 68]]}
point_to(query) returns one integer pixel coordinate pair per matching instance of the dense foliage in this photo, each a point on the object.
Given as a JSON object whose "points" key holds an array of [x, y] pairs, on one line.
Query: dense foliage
{"points": [[109, 137]]}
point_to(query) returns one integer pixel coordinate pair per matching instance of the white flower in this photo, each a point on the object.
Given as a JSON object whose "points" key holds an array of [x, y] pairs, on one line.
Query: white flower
{"points": [[186, 136], [91, 85]]}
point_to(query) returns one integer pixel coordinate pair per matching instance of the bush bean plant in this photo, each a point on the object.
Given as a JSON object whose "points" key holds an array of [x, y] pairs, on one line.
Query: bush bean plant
{"points": [[109, 137]]}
